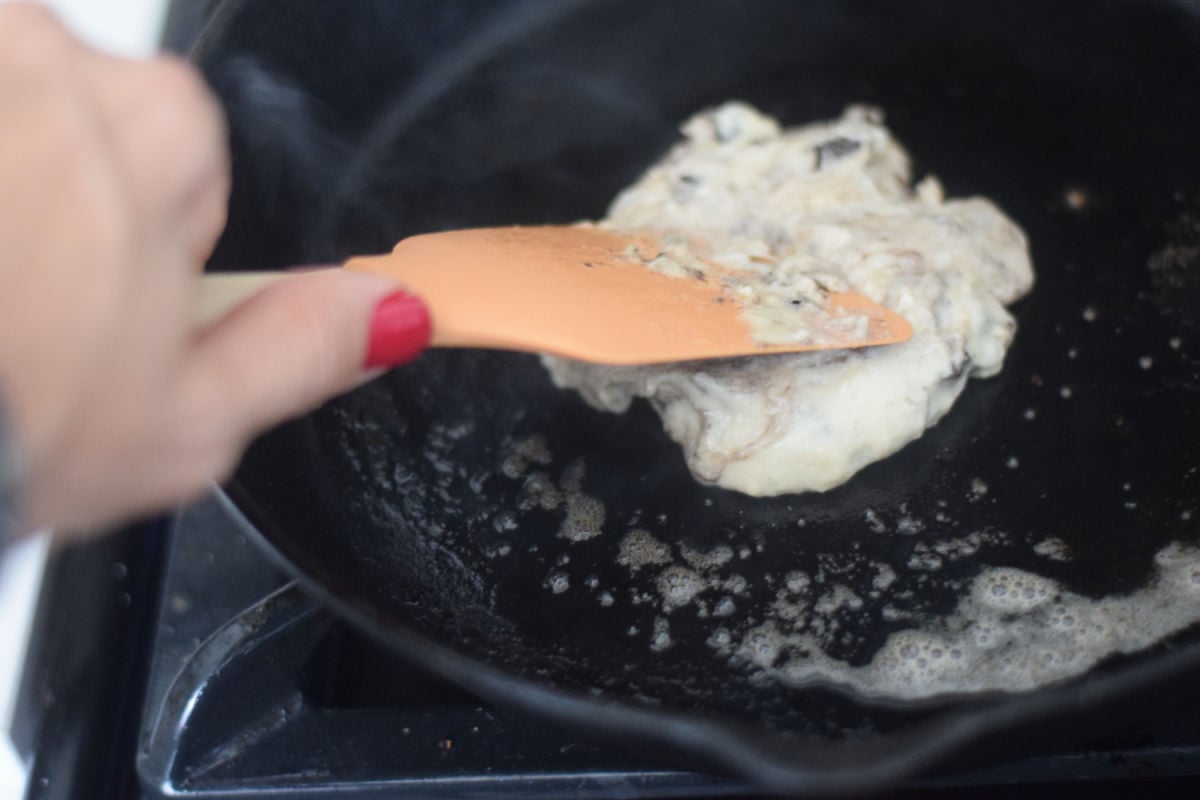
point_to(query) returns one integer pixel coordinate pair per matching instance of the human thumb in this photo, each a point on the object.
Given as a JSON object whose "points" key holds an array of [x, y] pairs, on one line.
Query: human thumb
{"points": [[300, 341]]}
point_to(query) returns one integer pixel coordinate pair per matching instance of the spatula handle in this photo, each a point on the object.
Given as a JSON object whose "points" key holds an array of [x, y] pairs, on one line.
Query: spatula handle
{"points": [[221, 292]]}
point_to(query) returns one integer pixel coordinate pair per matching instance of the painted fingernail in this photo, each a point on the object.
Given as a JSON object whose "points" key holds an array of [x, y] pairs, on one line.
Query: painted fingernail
{"points": [[400, 330]]}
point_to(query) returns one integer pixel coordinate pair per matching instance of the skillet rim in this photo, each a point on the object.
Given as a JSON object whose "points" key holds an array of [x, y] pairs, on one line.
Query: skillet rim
{"points": [[773, 762]]}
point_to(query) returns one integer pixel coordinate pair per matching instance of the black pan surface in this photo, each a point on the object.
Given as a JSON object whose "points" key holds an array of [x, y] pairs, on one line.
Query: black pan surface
{"points": [[357, 123]]}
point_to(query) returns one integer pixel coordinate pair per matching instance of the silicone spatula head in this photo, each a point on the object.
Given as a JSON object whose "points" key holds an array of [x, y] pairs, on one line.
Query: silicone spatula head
{"points": [[580, 292]]}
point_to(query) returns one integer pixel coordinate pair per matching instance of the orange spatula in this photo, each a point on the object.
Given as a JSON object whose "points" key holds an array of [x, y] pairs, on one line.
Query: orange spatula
{"points": [[576, 291]]}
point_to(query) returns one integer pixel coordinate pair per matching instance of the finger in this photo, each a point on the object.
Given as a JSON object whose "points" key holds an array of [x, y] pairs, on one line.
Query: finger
{"points": [[299, 342]]}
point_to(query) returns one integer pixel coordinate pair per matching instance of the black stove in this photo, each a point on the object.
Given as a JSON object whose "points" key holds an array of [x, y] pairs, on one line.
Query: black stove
{"points": [[172, 659], [253, 684]]}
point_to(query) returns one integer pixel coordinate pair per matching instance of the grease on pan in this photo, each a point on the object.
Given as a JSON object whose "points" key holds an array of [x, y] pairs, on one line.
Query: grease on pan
{"points": [[1010, 630]]}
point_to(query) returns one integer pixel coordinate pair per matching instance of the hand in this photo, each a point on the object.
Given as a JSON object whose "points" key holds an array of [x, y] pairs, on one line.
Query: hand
{"points": [[114, 178]]}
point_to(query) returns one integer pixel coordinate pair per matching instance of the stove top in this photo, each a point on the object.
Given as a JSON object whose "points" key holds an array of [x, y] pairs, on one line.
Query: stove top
{"points": [[173, 660], [254, 684]]}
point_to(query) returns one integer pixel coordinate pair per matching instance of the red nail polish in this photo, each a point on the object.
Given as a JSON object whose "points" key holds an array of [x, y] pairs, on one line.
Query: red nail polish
{"points": [[400, 330]]}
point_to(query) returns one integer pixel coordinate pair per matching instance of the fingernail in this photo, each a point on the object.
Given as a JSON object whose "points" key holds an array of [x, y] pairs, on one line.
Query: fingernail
{"points": [[400, 330]]}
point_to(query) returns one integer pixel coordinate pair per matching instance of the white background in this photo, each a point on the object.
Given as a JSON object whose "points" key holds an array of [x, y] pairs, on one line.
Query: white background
{"points": [[128, 27]]}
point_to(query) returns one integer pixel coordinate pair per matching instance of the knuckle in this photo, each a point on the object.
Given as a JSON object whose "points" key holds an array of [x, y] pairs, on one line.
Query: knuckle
{"points": [[185, 113], [31, 37], [180, 86], [319, 340]]}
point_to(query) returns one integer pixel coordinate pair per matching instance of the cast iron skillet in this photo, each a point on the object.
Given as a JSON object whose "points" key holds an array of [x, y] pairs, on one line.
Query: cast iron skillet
{"points": [[359, 122]]}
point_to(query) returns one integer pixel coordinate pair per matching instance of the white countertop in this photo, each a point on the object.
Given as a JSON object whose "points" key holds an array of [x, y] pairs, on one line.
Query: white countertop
{"points": [[127, 27], [131, 28]]}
